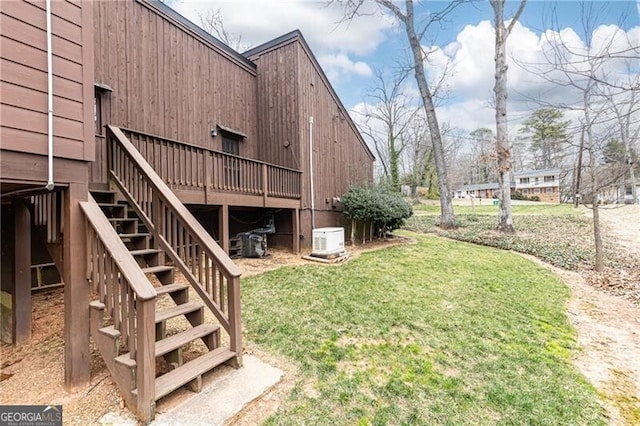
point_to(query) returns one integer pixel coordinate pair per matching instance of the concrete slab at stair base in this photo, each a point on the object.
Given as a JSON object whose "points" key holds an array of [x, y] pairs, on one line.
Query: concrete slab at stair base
{"points": [[225, 393]]}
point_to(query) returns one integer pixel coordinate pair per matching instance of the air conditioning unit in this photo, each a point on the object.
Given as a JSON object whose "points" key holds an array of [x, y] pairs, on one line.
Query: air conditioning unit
{"points": [[328, 242]]}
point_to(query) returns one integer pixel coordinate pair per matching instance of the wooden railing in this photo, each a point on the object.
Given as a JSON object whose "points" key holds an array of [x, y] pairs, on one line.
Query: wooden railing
{"points": [[190, 167], [127, 295], [47, 212], [203, 263]]}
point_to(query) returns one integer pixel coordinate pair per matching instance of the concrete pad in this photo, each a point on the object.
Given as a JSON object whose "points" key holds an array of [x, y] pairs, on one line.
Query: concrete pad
{"points": [[219, 400]]}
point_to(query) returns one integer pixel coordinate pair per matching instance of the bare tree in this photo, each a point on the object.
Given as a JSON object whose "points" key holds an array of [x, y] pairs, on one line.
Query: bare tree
{"points": [[503, 152], [483, 151], [212, 22], [584, 71], [415, 36], [418, 161], [626, 110], [387, 123]]}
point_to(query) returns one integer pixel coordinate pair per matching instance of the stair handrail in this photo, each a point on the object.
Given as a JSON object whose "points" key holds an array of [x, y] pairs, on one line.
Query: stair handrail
{"points": [[154, 201], [127, 294], [121, 256]]}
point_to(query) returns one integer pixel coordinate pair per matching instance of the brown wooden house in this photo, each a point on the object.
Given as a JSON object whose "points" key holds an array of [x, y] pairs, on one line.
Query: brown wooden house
{"points": [[133, 146]]}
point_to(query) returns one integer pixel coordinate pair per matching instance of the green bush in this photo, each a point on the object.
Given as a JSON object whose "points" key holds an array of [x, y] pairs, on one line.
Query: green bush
{"points": [[382, 209], [518, 195]]}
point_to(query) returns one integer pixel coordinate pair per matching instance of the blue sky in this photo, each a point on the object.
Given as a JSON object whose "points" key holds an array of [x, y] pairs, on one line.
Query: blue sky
{"points": [[351, 53]]}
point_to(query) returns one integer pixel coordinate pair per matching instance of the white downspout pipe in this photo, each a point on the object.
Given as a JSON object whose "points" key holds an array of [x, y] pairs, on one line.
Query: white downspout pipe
{"points": [[311, 193], [50, 183]]}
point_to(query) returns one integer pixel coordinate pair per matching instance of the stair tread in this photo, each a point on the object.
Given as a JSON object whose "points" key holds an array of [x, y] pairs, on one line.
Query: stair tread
{"points": [[174, 379], [156, 269], [122, 219], [135, 234], [111, 205], [177, 340], [175, 311], [172, 342], [142, 252], [170, 288]]}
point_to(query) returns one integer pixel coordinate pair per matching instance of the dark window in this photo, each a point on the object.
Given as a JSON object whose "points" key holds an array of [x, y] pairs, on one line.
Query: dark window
{"points": [[230, 144], [549, 178], [232, 165], [97, 112], [524, 180], [101, 98]]}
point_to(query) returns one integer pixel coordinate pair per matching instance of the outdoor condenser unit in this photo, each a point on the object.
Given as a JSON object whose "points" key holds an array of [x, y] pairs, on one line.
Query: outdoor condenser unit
{"points": [[328, 242]]}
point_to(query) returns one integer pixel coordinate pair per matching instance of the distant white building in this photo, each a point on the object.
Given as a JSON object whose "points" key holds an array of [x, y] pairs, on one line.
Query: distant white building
{"points": [[544, 184]]}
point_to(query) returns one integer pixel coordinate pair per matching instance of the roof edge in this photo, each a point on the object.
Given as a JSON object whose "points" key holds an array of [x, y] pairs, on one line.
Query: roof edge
{"points": [[296, 35], [172, 14]]}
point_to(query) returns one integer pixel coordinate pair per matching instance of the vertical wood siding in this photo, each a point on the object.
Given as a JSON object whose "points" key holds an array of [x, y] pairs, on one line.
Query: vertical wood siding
{"points": [[23, 78], [168, 81], [279, 107], [291, 89]]}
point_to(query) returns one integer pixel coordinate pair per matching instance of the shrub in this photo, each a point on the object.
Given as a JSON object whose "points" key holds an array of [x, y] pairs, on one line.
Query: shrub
{"points": [[517, 195], [380, 208]]}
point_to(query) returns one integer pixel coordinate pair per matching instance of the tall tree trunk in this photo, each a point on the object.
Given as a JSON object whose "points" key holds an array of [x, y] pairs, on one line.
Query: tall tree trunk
{"points": [[447, 218], [595, 186], [503, 153], [394, 163], [579, 171], [597, 236]]}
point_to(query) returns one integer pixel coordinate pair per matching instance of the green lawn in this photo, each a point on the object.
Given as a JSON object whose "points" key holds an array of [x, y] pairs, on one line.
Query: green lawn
{"points": [[438, 332], [487, 208]]}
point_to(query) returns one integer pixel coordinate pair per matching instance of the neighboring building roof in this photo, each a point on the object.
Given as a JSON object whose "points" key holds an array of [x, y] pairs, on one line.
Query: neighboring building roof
{"points": [[294, 36], [480, 186], [541, 172]]}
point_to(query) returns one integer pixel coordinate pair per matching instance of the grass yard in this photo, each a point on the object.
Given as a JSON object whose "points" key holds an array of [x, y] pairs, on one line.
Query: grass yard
{"points": [[540, 235], [438, 332], [487, 208]]}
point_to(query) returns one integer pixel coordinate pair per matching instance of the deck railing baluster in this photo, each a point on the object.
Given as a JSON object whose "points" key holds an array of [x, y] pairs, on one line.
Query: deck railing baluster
{"points": [[178, 233]]}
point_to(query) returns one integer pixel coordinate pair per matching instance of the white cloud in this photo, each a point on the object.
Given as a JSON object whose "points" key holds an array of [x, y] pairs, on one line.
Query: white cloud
{"points": [[468, 63], [259, 21], [338, 65]]}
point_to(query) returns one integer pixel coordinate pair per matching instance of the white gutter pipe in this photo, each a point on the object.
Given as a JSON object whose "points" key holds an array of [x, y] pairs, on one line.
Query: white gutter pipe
{"points": [[50, 183], [311, 193]]}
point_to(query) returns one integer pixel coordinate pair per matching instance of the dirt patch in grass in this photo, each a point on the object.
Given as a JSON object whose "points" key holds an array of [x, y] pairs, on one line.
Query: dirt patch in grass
{"points": [[608, 329]]}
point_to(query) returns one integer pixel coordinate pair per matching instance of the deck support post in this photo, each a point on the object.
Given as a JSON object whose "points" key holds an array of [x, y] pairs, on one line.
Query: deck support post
{"points": [[76, 289], [21, 304], [295, 223], [223, 227], [265, 185]]}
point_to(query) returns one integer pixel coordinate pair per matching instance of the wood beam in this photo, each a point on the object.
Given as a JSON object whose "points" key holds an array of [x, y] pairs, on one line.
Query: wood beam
{"points": [[223, 227], [295, 223], [21, 303], [76, 289]]}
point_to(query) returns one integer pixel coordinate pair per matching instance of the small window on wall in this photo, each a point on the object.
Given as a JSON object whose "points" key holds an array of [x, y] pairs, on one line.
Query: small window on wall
{"points": [[231, 140], [97, 113], [101, 94], [230, 144]]}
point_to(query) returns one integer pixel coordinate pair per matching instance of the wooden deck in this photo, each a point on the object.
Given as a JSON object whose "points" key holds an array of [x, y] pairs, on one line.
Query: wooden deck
{"points": [[200, 175]]}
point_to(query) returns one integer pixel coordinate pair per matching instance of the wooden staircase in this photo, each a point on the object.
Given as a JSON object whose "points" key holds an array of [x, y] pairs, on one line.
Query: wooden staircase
{"points": [[140, 240]]}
